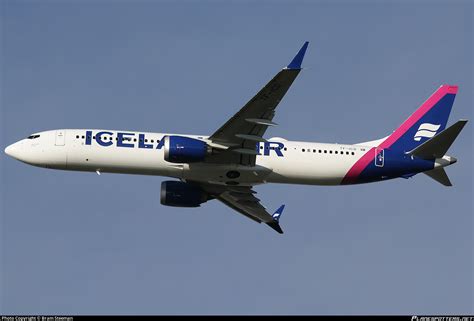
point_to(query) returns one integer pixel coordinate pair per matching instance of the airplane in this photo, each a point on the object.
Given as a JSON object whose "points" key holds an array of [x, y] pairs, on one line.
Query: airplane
{"points": [[228, 164]]}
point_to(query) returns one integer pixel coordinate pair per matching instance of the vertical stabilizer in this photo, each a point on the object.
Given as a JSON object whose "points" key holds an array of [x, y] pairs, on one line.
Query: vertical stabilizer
{"points": [[427, 121]]}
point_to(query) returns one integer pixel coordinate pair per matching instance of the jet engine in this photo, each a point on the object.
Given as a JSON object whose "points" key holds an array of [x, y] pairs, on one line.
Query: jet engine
{"points": [[180, 149], [180, 194]]}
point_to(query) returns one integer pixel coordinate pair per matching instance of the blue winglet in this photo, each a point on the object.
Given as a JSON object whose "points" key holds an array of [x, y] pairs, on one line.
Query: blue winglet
{"points": [[296, 62], [277, 214]]}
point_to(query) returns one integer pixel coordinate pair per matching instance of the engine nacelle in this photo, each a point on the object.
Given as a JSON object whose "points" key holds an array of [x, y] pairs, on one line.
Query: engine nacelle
{"points": [[180, 149], [180, 194]]}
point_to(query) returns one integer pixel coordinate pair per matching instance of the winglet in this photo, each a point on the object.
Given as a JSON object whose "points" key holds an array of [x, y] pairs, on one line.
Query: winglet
{"points": [[276, 217], [277, 214], [296, 62]]}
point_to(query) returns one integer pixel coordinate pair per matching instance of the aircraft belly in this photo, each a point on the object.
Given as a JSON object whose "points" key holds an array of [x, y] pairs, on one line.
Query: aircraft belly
{"points": [[226, 174]]}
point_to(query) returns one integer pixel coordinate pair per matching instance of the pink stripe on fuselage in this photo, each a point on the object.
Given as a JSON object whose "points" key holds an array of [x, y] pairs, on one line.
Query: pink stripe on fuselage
{"points": [[362, 163], [359, 166]]}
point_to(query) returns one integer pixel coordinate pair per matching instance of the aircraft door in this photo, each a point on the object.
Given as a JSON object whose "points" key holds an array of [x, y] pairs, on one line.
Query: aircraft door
{"points": [[379, 157], [60, 138]]}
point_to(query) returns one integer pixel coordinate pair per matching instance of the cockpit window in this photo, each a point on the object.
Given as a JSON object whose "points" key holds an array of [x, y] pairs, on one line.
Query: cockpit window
{"points": [[33, 136]]}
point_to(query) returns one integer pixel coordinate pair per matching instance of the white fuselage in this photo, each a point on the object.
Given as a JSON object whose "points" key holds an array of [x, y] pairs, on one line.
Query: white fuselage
{"points": [[295, 162]]}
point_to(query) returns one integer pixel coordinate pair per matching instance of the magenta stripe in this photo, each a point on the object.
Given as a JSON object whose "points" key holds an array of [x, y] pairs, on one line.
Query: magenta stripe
{"points": [[359, 166], [420, 112], [368, 157]]}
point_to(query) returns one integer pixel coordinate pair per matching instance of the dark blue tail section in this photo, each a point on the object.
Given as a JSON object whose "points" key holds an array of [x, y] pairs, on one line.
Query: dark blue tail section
{"points": [[388, 159], [428, 120]]}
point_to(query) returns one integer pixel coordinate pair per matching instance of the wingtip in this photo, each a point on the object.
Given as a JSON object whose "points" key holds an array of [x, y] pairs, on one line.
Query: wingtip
{"points": [[276, 218], [298, 59], [276, 226]]}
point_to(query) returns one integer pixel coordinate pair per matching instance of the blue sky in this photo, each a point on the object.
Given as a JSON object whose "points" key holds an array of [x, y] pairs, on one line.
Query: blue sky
{"points": [[78, 243]]}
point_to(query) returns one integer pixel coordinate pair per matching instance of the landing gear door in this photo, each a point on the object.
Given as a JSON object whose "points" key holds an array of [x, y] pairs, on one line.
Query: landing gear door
{"points": [[379, 157], [60, 138]]}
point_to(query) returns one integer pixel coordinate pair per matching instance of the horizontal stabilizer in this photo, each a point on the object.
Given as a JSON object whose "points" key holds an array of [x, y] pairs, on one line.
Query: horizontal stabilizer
{"points": [[439, 175], [437, 146]]}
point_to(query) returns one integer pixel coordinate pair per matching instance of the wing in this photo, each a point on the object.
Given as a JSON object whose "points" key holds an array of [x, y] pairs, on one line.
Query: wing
{"points": [[243, 200], [239, 134]]}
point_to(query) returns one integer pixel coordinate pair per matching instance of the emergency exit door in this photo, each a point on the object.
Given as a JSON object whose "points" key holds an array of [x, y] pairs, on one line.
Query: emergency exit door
{"points": [[60, 137]]}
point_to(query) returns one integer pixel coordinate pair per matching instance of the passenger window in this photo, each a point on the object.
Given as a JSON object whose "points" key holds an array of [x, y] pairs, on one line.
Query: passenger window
{"points": [[352, 153], [303, 149], [285, 148], [330, 152], [325, 151], [335, 152]]}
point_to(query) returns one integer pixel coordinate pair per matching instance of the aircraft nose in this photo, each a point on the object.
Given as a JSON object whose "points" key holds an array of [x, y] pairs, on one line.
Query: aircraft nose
{"points": [[10, 150], [14, 150]]}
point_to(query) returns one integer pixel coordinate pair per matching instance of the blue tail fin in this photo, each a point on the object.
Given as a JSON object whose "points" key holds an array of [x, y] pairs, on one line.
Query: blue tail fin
{"points": [[428, 120]]}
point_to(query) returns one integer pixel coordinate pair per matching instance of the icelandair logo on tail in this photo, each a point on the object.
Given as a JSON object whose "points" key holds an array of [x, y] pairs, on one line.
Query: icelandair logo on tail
{"points": [[426, 130]]}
